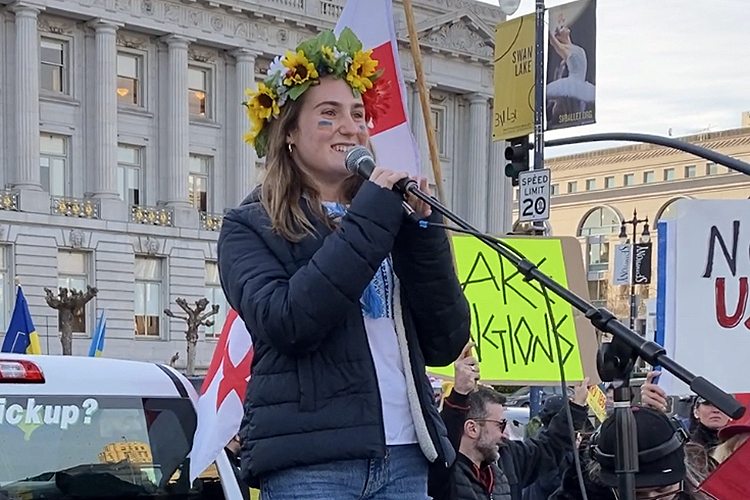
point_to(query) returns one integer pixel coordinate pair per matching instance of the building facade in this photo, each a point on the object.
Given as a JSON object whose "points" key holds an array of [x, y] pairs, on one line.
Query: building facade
{"points": [[592, 193], [121, 146]]}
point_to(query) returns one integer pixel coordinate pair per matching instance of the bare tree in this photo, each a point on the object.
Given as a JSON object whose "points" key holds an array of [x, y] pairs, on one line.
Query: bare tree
{"points": [[195, 318], [69, 304]]}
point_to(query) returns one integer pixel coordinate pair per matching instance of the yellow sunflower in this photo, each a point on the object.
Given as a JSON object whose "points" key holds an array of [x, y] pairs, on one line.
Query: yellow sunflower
{"points": [[301, 70], [261, 105], [363, 66]]}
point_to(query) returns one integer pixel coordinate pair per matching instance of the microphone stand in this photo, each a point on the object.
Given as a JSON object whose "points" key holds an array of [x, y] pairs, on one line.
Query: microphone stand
{"points": [[615, 361]]}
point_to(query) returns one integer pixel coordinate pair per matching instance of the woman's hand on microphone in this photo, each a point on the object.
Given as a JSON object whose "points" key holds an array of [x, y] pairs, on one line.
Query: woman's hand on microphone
{"points": [[386, 178], [417, 204]]}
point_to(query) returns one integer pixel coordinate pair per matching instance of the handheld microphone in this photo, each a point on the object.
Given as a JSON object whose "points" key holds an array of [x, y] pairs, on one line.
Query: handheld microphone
{"points": [[359, 161]]}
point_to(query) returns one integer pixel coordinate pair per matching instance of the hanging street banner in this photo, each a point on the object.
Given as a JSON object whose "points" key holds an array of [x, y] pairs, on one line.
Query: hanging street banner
{"points": [[513, 115], [623, 266], [510, 320], [571, 65]]}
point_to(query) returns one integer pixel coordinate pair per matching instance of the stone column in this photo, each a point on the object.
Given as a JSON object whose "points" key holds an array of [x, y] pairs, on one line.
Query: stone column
{"points": [[105, 120], [500, 192], [27, 178], [246, 176], [476, 172], [177, 128], [420, 132]]}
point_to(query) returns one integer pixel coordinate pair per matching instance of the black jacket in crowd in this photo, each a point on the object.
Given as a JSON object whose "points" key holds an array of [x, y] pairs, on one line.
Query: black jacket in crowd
{"points": [[313, 396], [520, 462]]}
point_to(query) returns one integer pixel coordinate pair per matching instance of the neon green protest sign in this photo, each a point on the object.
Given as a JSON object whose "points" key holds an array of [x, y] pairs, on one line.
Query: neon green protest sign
{"points": [[510, 323]]}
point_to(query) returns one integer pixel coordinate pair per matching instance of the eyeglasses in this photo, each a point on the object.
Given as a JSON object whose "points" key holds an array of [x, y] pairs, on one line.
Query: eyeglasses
{"points": [[502, 424]]}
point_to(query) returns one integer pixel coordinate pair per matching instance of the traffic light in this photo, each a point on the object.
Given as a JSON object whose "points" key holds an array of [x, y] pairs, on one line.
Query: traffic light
{"points": [[518, 156]]}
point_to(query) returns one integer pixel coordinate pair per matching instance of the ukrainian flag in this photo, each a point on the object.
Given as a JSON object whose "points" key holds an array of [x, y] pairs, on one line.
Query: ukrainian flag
{"points": [[21, 336], [97, 341]]}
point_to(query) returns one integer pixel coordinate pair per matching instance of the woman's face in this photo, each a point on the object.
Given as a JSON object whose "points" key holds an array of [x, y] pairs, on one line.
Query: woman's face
{"points": [[331, 121], [710, 416]]}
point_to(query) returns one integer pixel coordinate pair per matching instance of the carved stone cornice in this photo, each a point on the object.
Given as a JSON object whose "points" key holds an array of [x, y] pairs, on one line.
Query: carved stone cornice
{"points": [[458, 37], [56, 26]]}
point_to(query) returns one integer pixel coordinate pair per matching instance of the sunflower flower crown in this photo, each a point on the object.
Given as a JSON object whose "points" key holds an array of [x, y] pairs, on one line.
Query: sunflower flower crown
{"points": [[290, 76]]}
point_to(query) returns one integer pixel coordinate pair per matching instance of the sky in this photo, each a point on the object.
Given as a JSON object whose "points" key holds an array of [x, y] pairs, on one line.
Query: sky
{"points": [[682, 65]]}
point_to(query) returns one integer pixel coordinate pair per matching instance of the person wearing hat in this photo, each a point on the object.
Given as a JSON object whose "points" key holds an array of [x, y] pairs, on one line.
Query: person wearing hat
{"points": [[661, 461], [705, 419]]}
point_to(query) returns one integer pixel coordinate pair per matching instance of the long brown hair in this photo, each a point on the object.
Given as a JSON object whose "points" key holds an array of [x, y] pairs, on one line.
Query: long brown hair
{"points": [[285, 183]]}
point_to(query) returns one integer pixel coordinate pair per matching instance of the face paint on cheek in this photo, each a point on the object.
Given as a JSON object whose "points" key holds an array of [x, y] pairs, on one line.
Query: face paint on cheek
{"points": [[325, 124], [362, 128]]}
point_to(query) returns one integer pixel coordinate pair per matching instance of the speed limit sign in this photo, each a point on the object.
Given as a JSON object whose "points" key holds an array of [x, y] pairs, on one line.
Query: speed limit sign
{"points": [[533, 195]]}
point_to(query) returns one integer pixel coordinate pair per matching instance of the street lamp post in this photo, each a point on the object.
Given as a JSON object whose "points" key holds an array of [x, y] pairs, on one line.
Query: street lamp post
{"points": [[645, 236]]}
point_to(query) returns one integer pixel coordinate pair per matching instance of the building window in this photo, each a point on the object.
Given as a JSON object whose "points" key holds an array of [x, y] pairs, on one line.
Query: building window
{"points": [[648, 177], [198, 91], [690, 171], [215, 295], [590, 184], [129, 78], [72, 273], [53, 58], [148, 296], [712, 168], [438, 123], [598, 292], [573, 187], [598, 224], [668, 174], [5, 296], [129, 162], [609, 182], [198, 182], [628, 180], [555, 189], [53, 159]]}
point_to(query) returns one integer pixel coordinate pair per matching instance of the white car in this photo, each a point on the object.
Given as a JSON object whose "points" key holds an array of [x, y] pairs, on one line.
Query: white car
{"points": [[73, 427], [517, 419]]}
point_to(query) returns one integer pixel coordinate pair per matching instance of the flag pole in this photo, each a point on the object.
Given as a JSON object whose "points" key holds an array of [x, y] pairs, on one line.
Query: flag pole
{"points": [[424, 99]]}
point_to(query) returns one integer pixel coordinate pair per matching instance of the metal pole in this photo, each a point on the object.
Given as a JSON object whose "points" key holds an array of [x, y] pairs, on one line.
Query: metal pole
{"points": [[633, 306], [539, 88], [538, 228], [694, 149]]}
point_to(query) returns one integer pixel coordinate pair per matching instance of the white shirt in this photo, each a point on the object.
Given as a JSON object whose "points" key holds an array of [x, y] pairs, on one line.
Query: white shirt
{"points": [[397, 419]]}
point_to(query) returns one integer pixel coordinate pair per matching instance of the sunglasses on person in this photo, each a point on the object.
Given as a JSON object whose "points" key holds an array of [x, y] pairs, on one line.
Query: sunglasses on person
{"points": [[502, 424]]}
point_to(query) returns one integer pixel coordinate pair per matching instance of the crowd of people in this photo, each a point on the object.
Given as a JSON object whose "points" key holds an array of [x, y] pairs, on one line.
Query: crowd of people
{"points": [[348, 301]]}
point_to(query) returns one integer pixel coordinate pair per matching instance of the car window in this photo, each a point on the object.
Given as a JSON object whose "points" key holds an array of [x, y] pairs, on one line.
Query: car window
{"points": [[523, 391], [66, 447]]}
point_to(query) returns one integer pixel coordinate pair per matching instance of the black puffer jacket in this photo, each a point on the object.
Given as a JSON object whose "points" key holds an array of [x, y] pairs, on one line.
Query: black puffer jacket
{"points": [[313, 395]]}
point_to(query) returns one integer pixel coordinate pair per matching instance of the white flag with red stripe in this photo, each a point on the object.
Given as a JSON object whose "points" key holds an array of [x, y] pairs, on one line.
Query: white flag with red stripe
{"points": [[372, 22], [222, 394]]}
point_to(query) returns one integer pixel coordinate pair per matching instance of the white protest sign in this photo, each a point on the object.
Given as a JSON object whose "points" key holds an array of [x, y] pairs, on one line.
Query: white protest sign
{"points": [[704, 297]]}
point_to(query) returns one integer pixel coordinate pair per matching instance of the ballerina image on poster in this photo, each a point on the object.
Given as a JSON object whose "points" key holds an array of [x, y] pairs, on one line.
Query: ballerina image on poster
{"points": [[569, 93]]}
